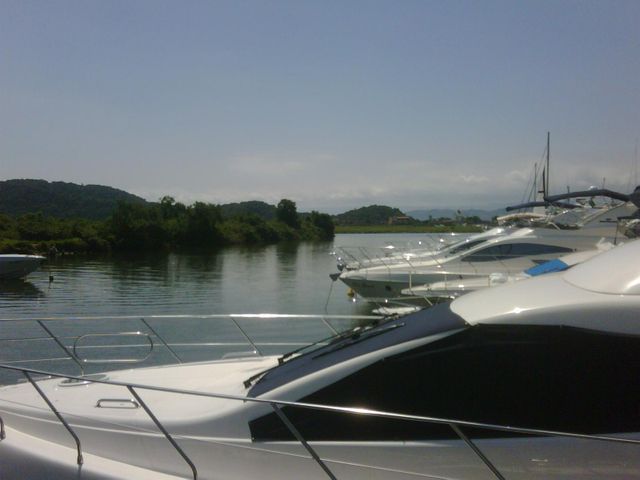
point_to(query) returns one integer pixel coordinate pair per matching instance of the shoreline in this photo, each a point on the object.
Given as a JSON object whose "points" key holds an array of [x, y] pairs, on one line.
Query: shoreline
{"points": [[407, 229]]}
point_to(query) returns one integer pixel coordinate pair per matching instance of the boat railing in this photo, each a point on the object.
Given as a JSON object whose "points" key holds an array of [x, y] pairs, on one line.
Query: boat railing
{"points": [[356, 257], [457, 426], [401, 260], [78, 341], [90, 343], [352, 258]]}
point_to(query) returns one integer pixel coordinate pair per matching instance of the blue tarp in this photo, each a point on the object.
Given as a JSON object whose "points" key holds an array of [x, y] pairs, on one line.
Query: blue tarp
{"points": [[547, 267]]}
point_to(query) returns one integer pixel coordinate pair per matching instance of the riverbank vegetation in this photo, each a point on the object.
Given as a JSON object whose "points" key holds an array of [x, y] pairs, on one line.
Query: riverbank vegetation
{"points": [[37, 216], [418, 228], [166, 225]]}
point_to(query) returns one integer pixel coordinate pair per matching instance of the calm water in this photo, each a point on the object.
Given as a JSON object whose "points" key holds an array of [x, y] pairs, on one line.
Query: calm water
{"points": [[284, 279], [274, 279]]}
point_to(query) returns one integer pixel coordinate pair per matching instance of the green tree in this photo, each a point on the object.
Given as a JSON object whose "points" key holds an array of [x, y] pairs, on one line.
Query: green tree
{"points": [[137, 227], [202, 225], [323, 223], [287, 213]]}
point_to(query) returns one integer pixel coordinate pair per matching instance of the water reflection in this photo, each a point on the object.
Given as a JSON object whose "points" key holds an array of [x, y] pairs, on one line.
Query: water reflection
{"points": [[19, 288], [285, 278]]}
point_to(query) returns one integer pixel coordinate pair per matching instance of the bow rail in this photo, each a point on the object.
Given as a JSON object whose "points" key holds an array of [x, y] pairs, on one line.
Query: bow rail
{"points": [[458, 426], [93, 343]]}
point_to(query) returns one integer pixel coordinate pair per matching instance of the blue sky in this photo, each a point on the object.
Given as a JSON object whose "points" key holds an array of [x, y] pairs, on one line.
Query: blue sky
{"points": [[333, 104]]}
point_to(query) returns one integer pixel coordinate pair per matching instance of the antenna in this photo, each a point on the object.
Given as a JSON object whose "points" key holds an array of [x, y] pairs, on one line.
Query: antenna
{"points": [[546, 185], [635, 156]]}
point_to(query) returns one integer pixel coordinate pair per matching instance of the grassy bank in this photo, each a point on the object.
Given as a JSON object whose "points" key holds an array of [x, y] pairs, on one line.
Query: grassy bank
{"points": [[407, 229]]}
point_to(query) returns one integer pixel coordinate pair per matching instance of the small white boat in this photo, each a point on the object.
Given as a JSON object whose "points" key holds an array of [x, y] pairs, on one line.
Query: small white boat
{"points": [[13, 266]]}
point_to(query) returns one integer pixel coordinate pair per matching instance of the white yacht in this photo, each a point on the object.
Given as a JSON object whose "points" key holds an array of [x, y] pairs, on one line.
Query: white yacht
{"points": [[14, 266], [509, 254], [453, 288], [530, 380], [354, 258]]}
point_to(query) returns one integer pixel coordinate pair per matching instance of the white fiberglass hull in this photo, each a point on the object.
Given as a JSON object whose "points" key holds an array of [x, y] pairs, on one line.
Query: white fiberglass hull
{"points": [[14, 266], [383, 283], [119, 440], [25, 457], [508, 255]]}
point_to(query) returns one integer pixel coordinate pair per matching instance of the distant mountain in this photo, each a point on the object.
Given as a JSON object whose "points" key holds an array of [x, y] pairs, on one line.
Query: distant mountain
{"points": [[61, 199], [371, 215], [451, 213], [262, 209]]}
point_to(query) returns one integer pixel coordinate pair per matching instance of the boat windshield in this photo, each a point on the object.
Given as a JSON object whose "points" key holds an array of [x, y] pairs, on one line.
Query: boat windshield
{"points": [[356, 342], [463, 247], [359, 332], [572, 218]]}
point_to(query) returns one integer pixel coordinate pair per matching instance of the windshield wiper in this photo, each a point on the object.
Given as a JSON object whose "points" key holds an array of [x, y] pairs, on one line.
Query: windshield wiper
{"points": [[358, 337], [332, 339]]}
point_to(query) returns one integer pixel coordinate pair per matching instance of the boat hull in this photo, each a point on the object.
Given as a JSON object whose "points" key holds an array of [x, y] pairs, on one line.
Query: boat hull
{"points": [[18, 266], [119, 440], [24, 456]]}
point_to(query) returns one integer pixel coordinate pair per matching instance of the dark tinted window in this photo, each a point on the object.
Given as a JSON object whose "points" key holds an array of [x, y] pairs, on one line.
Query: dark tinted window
{"points": [[549, 377], [465, 246], [514, 250], [427, 322]]}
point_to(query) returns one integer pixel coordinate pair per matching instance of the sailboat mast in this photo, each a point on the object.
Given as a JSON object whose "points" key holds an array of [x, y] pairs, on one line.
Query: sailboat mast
{"points": [[546, 185], [535, 183]]}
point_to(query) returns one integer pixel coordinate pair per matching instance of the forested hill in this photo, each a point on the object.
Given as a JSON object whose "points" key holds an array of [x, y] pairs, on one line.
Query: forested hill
{"points": [[371, 215], [61, 199], [255, 207]]}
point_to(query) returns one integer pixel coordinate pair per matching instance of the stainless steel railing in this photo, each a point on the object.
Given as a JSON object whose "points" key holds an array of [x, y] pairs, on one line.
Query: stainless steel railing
{"points": [[457, 426], [135, 339]]}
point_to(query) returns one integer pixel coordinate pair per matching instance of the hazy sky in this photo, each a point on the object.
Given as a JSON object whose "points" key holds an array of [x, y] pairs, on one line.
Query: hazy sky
{"points": [[333, 104]]}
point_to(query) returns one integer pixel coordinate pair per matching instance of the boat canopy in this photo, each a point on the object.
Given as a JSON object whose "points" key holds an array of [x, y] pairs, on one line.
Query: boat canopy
{"points": [[623, 274]]}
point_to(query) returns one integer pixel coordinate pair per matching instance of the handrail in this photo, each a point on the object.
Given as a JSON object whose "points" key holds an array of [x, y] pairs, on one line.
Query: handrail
{"points": [[121, 401], [476, 450], [164, 431], [281, 415], [69, 343], [119, 360], [334, 409], [55, 411], [247, 337], [456, 425], [173, 353], [61, 345], [200, 316]]}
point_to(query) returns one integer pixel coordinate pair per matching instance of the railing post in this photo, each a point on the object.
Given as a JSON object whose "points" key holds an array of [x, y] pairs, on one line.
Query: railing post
{"points": [[2, 434], [247, 337], [164, 431], [62, 346], [328, 325], [171, 351], [476, 450], [57, 414], [301, 439]]}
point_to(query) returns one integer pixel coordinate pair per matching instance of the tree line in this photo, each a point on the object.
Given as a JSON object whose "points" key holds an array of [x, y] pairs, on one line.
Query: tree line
{"points": [[166, 225]]}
